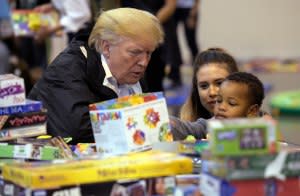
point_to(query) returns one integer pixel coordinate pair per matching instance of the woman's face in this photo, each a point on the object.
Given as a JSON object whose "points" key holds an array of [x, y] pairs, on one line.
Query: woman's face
{"points": [[209, 79]]}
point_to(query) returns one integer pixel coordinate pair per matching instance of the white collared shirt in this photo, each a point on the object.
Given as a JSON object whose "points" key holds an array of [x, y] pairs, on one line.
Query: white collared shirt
{"points": [[111, 82], [73, 13]]}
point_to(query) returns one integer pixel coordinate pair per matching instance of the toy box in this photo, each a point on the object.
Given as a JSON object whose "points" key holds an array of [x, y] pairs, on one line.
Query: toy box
{"points": [[12, 90], [27, 22], [242, 136], [214, 186], [27, 131], [29, 106], [131, 123], [28, 151], [283, 164], [147, 164]]}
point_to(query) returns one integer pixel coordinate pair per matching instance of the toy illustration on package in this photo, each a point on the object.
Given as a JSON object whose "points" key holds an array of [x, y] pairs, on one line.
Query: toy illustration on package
{"points": [[130, 123], [242, 136], [26, 22]]}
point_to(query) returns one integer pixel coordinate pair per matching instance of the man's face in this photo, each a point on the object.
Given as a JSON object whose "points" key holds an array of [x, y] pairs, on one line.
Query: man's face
{"points": [[232, 101], [128, 59]]}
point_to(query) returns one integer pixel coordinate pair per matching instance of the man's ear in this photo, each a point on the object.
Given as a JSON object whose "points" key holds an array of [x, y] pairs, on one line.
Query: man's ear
{"points": [[253, 111], [105, 45]]}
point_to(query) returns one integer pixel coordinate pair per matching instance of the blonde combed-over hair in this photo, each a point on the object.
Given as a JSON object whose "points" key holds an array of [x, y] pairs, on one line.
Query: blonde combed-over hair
{"points": [[113, 24]]}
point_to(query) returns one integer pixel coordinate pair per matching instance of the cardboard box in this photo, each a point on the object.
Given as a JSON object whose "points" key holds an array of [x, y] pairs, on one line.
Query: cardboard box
{"points": [[178, 185], [12, 90], [131, 123], [242, 136], [27, 131], [213, 186], [285, 163], [28, 151], [128, 167], [29, 106]]}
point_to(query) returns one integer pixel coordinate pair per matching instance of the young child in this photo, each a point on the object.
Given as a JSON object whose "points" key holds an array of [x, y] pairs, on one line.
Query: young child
{"points": [[241, 95]]}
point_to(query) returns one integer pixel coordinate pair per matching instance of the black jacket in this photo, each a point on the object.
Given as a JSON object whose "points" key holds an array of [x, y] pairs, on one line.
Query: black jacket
{"points": [[70, 83]]}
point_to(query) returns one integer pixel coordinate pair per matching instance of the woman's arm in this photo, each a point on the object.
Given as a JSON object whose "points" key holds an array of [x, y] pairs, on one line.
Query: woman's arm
{"points": [[166, 11]]}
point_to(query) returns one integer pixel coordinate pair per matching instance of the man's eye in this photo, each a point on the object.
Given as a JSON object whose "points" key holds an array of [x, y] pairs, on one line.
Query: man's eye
{"points": [[134, 52]]}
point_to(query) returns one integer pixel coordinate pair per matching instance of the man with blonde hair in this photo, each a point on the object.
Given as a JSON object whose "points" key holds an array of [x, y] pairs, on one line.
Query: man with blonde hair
{"points": [[107, 64]]}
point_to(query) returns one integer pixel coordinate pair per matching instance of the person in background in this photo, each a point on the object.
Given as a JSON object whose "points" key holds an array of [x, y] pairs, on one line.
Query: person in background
{"points": [[105, 64], [6, 32], [75, 15], [187, 13], [168, 53], [211, 67], [239, 96], [33, 53]]}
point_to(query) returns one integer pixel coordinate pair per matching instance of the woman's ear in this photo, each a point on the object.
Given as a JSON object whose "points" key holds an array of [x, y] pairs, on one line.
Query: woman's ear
{"points": [[253, 111]]}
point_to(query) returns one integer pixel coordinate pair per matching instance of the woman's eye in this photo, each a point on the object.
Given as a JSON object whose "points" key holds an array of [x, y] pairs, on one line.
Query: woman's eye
{"points": [[219, 100], [218, 83], [203, 86]]}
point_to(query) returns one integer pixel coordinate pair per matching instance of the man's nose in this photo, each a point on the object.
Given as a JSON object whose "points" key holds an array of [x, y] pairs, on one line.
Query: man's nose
{"points": [[144, 59]]}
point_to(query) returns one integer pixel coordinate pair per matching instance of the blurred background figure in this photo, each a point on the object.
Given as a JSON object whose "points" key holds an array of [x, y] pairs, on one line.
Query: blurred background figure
{"points": [[6, 33], [32, 52], [187, 14], [75, 15], [169, 52]]}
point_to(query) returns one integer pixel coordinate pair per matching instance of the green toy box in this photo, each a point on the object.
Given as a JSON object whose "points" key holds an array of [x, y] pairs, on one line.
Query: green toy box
{"points": [[242, 136]]}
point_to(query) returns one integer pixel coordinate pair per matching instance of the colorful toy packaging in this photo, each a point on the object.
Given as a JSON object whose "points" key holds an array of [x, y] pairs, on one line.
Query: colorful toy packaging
{"points": [[214, 186], [12, 90], [131, 123], [280, 165], [242, 136], [43, 175], [28, 151], [27, 22]]}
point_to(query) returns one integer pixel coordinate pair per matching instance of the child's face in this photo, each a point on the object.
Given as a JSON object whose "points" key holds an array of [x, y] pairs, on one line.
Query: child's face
{"points": [[232, 101]]}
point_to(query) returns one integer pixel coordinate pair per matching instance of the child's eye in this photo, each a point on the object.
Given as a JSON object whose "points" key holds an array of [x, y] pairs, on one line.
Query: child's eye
{"points": [[232, 103]]}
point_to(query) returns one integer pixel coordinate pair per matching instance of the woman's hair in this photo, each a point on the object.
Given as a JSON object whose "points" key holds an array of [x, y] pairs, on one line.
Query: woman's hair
{"points": [[193, 108], [255, 86], [114, 24]]}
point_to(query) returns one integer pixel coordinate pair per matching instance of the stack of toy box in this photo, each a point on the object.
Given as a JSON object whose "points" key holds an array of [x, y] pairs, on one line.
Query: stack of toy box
{"points": [[130, 123], [94, 176], [243, 159], [19, 117]]}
